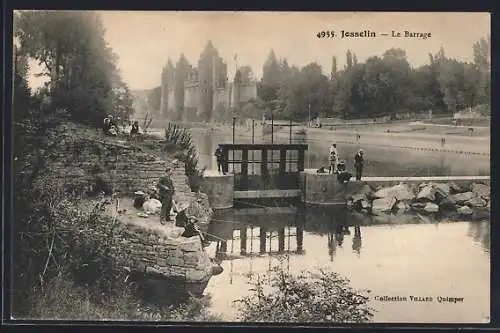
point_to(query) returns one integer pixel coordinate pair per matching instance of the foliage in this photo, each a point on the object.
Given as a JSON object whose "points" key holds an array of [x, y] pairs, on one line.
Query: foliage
{"points": [[380, 86], [307, 297], [179, 139], [79, 65]]}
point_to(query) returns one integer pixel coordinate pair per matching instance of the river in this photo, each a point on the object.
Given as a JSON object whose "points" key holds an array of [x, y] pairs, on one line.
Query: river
{"points": [[379, 161], [393, 256]]}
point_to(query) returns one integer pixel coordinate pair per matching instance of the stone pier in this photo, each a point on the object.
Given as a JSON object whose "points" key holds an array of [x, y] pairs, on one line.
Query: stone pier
{"points": [[219, 189]]}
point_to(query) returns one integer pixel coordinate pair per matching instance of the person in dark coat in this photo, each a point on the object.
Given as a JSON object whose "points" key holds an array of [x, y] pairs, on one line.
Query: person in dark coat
{"points": [[359, 164], [166, 192], [218, 157]]}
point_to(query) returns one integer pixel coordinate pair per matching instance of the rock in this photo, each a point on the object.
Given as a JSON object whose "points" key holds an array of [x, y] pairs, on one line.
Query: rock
{"points": [[476, 202], [443, 188], [462, 198], [442, 191], [482, 191], [358, 197], [400, 192], [427, 193], [431, 207], [417, 205], [383, 205], [365, 204], [152, 206], [481, 214], [465, 211], [402, 207], [454, 188], [143, 215], [448, 203]]}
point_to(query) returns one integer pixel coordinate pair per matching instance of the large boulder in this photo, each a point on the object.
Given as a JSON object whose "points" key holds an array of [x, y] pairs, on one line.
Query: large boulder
{"points": [[482, 191], [480, 214], [431, 208], [400, 192], [427, 193], [455, 188], [462, 198], [465, 211], [448, 203], [402, 207], [476, 202], [383, 205], [442, 191]]}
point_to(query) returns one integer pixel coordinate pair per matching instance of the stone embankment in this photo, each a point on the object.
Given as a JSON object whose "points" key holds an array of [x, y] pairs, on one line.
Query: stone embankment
{"points": [[89, 162], [467, 201]]}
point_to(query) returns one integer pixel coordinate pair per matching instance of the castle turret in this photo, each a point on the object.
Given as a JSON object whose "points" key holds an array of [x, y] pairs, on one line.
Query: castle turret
{"points": [[166, 82]]}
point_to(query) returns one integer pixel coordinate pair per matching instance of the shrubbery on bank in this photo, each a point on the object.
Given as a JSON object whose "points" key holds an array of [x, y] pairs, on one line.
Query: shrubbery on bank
{"points": [[322, 297]]}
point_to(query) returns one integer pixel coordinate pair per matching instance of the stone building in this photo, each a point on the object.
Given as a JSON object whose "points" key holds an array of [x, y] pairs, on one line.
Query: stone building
{"points": [[197, 93]]}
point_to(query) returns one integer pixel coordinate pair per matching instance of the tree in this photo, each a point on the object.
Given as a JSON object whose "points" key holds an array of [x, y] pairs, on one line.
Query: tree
{"points": [[76, 59], [482, 62], [349, 61]]}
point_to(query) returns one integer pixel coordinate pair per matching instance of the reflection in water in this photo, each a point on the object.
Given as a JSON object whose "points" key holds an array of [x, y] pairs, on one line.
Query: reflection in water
{"points": [[439, 254], [480, 232], [356, 240]]}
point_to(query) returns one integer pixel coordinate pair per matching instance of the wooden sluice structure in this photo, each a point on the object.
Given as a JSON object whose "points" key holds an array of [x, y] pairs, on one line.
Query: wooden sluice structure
{"points": [[264, 170]]}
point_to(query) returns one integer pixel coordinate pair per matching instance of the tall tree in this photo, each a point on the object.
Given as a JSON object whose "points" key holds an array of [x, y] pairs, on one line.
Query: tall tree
{"points": [[349, 61], [76, 59]]}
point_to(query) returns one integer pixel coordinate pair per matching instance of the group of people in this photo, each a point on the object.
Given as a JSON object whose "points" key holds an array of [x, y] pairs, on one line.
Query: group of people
{"points": [[338, 166], [111, 128]]}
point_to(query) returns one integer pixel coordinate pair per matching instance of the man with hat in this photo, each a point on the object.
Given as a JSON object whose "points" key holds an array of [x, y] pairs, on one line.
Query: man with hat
{"points": [[358, 164], [166, 193]]}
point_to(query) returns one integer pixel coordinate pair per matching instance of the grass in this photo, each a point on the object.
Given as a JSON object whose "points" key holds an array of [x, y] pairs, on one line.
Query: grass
{"points": [[62, 299]]}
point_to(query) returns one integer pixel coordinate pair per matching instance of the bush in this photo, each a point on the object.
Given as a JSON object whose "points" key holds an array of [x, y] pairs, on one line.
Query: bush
{"points": [[307, 297], [179, 143]]}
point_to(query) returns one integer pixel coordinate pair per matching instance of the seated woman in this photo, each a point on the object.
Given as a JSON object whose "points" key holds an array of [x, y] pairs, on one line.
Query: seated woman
{"points": [[343, 176]]}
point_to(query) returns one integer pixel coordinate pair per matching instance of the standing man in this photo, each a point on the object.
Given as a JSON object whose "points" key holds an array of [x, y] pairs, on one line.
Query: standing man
{"points": [[166, 194], [218, 157], [334, 158], [358, 164]]}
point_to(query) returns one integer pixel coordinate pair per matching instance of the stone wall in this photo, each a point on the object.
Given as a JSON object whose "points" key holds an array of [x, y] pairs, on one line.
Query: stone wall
{"points": [[124, 168], [154, 252]]}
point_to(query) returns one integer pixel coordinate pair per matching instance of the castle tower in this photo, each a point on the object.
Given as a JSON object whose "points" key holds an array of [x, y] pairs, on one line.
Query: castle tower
{"points": [[166, 82], [206, 75], [236, 90]]}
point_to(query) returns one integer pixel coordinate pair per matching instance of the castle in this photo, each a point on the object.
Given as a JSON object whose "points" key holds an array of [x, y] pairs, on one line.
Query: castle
{"points": [[204, 93]]}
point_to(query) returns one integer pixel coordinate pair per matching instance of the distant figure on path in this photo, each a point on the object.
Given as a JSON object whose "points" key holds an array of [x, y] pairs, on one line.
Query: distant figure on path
{"points": [[166, 192], [358, 164], [443, 141], [334, 158], [218, 157]]}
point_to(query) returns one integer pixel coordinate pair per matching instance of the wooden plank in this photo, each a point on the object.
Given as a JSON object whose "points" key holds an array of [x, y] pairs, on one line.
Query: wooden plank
{"points": [[266, 194], [260, 146]]}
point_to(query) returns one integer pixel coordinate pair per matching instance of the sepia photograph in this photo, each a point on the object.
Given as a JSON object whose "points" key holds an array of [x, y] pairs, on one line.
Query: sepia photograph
{"points": [[251, 167]]}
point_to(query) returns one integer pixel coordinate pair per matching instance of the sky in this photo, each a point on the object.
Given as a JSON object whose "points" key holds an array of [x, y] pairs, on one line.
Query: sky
{"points": [[144, 41]]}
